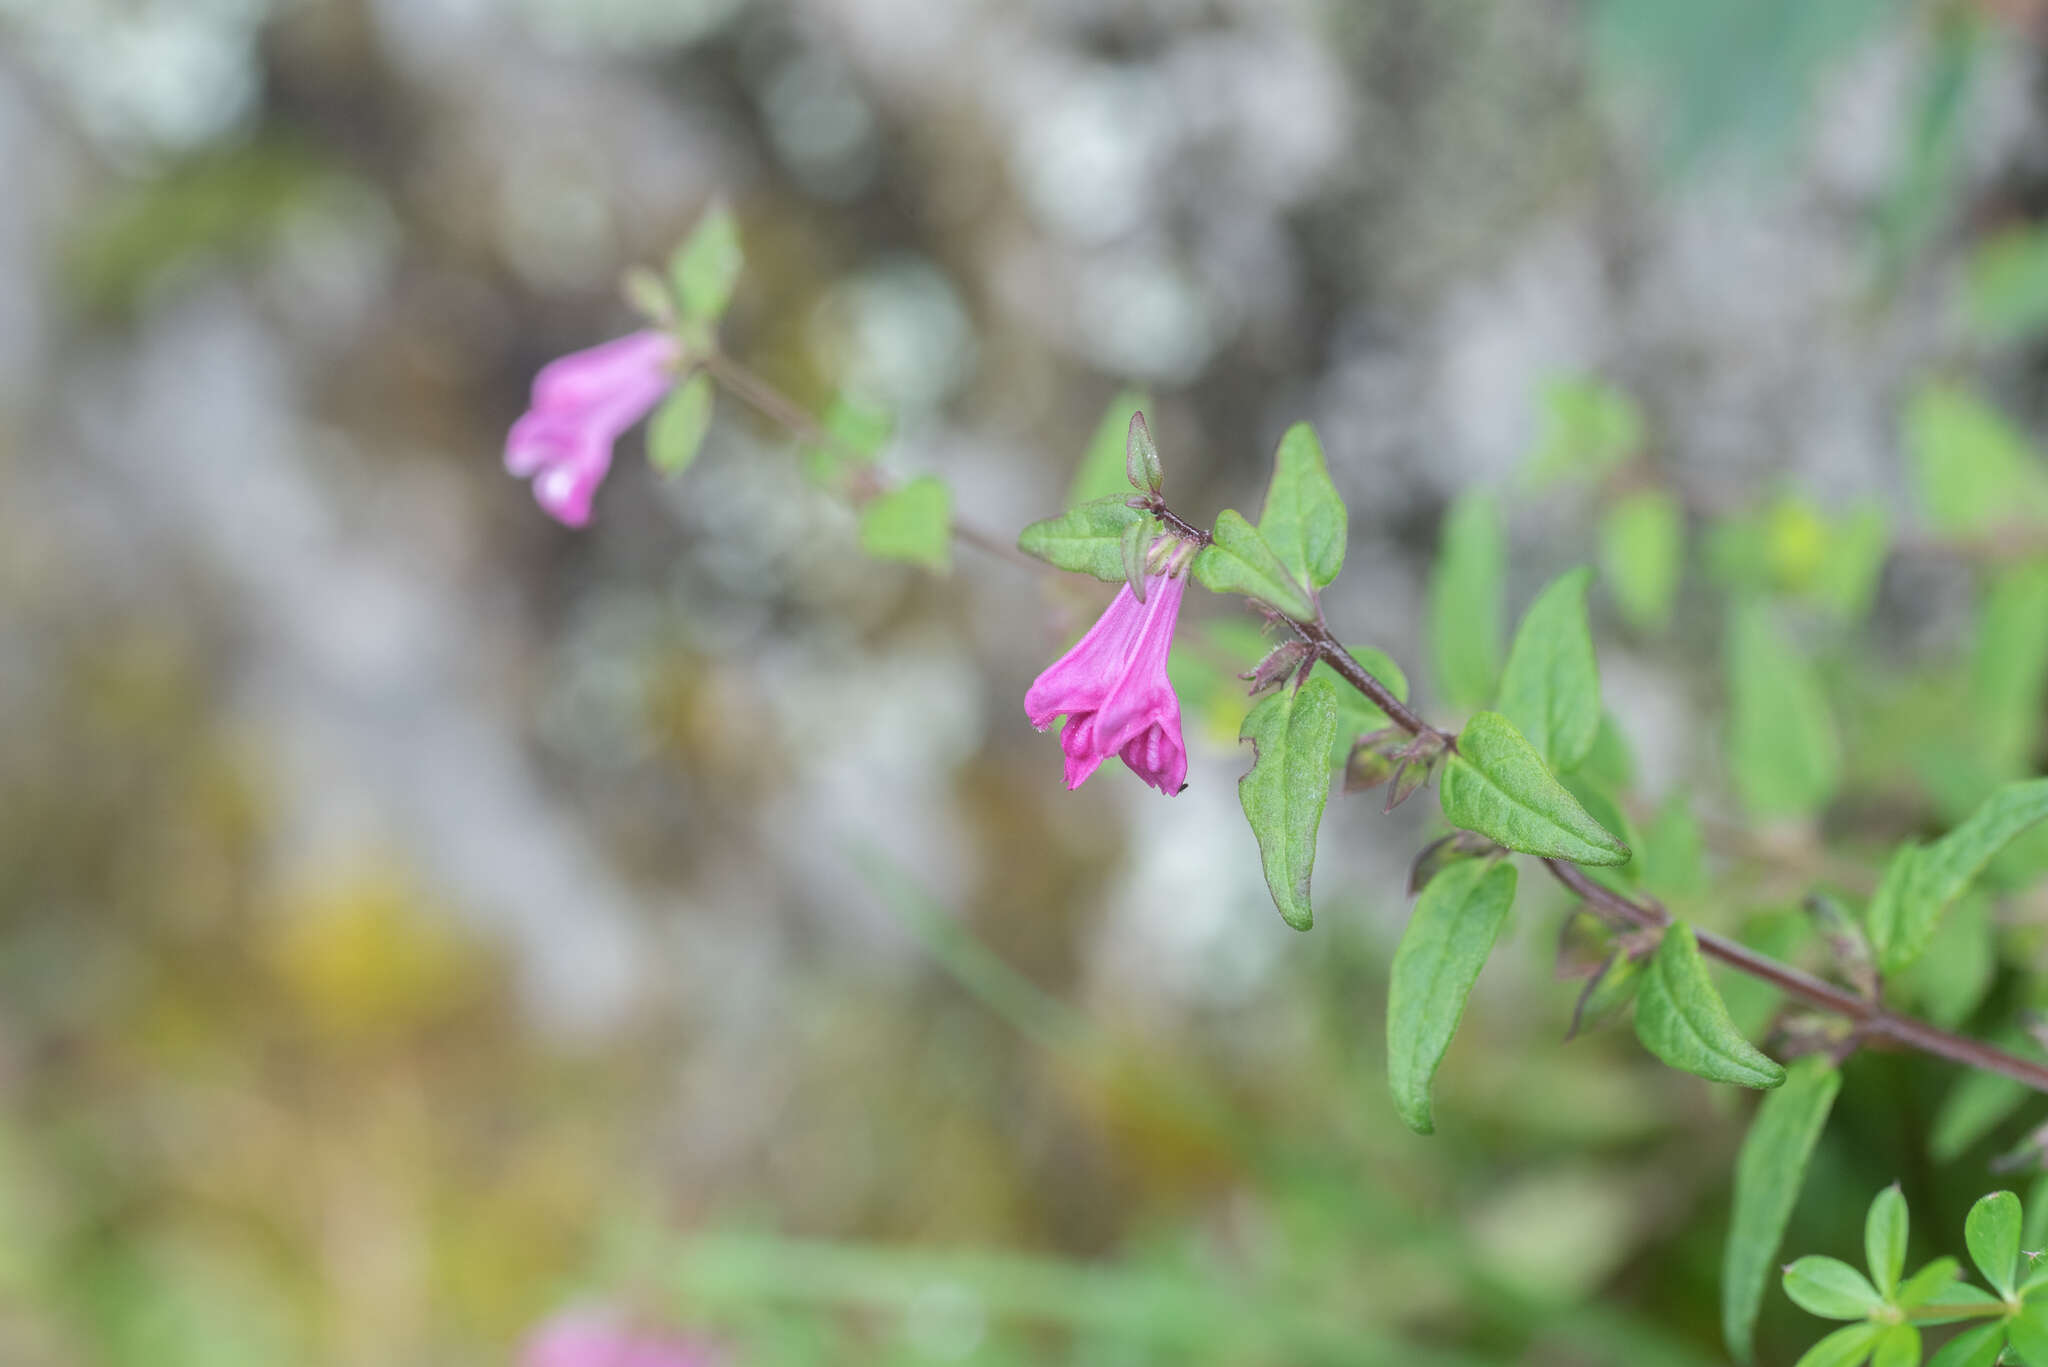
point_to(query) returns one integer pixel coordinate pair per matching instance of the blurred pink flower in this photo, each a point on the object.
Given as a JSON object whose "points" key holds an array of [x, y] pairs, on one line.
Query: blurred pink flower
{"points": [[1113, 688], [582, 403], [596, 1338]]}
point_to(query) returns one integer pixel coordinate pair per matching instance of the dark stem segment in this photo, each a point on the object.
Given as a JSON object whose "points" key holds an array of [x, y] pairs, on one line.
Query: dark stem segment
{"points": [[779, 408], [1872, 1022], [1328, 647]]}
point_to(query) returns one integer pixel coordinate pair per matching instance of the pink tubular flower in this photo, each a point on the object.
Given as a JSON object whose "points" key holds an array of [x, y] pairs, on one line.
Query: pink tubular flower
{"points": [[582, 403], [1113, 688], [585, 1338]]}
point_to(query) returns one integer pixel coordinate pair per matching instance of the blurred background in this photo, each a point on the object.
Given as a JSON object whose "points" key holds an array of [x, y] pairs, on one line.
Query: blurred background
{"points": [[416, 917]]}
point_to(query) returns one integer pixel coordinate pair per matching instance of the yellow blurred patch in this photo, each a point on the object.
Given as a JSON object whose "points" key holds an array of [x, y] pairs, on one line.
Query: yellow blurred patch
{"points": [[366, 960]]}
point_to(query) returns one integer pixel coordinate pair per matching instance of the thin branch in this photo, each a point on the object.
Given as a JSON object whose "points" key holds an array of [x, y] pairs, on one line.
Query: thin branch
{"points": [[771, 403]]}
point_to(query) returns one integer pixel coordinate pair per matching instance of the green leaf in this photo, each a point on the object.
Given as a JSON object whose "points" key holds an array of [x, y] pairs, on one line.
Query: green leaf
{"points": [[1611, 763], [912, 523], [1606, 811], [1884, 1239], [676, 432], [1496, 784], [1975, 1106], [1589, 429], [1768, 1175], [1087, 539], [1303, 520], [1240, 561], [1673, 852], [2009, 669], [1291, 734], [1847, 577], [706, 267], [1921, 882], [1681, 1018], [1465, 601], [1782, 745], [2005, 293], [1830, 1288], [2028, 1334], [1551, 687], [1991, 1231], [1900, 1347], [1452, 930], [1642, 553], [862, 432], [1931, 1285], [1975, 1347], [1843, 1348], [1976, 471], [1101, 471]]}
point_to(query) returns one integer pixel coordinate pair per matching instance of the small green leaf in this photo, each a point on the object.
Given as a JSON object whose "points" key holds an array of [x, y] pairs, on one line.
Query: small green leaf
{"points": [[1291, 734], [1974, 1347], [1921, 883], [1642, 553], [1551, 687], [1884, 1239], [1931, 1285], [1844, 1348], [1611, 762], [676, 433], [1589, 429], [1900, 1347], [1240, 561], [706, 267], [1303, 519], [1976, 470], [912, 523], [1782, 745], [1673, 852], [1847, 577], [1452, 930], [2028, 1334], [1830, 1288], [1681, 1018], [1768, 1175], [2009, 669], [861, 431], [2005, 292], [1087, 539], [1465, 601], [1975, 1106], [1991, 1231], [1496, 784], [1101, 471]]}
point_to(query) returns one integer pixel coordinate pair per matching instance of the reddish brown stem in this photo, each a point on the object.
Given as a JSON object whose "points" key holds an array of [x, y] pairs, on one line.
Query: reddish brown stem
{"points": [[1873, 1021]]}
